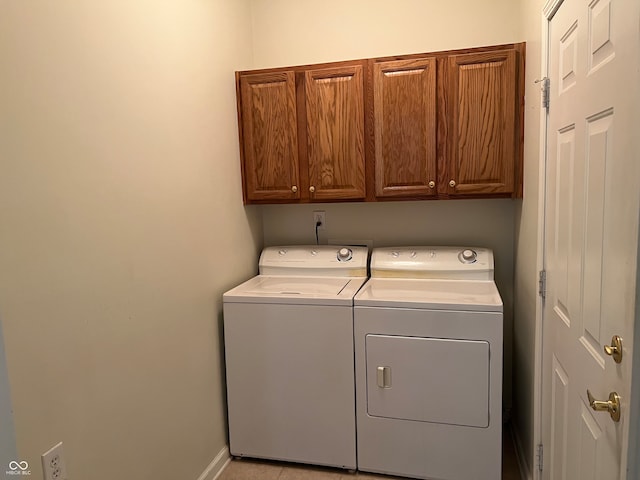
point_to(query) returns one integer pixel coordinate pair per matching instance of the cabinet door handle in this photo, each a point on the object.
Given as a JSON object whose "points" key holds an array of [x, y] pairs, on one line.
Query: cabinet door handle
{"points": [[432, 184], [452, 183], [312, 189], [294, 189]]}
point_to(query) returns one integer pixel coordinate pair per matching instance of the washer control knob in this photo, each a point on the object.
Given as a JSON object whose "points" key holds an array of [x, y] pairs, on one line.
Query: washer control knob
{"points": [[395, 254], [282, 251], [413, 254], [314, 252], [345, 254], [468, 256]]}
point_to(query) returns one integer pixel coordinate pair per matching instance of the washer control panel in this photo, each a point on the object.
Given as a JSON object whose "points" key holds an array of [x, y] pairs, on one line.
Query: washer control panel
{"points": [[433, 262], [338, 260]]}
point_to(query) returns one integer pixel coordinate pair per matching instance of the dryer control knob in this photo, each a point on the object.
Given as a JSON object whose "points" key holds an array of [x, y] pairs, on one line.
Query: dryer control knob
{"points": [[468, 256], [345, 254]]}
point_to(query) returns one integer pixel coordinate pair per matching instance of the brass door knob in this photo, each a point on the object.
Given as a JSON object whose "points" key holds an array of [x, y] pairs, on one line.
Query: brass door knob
{"points": [[612, 405], [312, 189], [294, 189], [452, 183], [615, 349], [432, 184]]}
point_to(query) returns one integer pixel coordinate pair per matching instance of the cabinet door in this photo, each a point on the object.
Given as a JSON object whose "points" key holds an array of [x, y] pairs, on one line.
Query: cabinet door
{"points": [[335, 132], [482, 101], [404, 93], [270, 139]]}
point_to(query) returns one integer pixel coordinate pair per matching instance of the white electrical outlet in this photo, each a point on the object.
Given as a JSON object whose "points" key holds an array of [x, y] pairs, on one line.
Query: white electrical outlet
{"points": [[318, 216], [53, 465]]}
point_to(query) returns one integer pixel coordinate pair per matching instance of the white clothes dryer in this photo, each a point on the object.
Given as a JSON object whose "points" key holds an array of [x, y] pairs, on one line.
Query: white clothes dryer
{"points": [[288, 336], [428, 344]]}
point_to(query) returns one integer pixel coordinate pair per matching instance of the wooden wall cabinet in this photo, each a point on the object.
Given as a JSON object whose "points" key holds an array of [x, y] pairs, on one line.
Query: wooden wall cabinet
{"points": [[302, 134], [404, 123], [480, 151], [425, 126], [269, 149], [335, 133]]}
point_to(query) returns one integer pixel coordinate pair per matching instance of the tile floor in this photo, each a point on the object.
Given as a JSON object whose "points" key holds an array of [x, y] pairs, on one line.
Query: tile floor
{"points": [[250, 469]]}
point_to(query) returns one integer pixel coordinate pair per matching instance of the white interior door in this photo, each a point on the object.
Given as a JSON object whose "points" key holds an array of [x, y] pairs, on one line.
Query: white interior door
{"points": [[591, 234]]}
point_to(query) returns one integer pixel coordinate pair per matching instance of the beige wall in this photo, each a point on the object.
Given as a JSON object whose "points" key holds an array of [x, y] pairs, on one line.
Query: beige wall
{"points": [[526, 270], [121, 225], [290, 32]]}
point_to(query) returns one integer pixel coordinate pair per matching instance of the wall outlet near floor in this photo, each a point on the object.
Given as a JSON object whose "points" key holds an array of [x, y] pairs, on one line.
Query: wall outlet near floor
{"points": [[318, 217], [53, 464]]}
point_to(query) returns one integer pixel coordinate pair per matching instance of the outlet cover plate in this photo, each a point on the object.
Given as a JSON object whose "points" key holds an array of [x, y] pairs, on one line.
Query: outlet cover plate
{"points": [[53, 464], [319, 216]]}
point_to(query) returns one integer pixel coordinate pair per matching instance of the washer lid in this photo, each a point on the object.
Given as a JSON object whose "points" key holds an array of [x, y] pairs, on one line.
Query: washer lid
{"points": [[303, 290], [474, 295]]}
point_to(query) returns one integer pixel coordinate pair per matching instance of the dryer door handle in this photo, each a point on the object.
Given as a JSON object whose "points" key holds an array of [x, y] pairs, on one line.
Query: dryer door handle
{"points": [[384, 377]]}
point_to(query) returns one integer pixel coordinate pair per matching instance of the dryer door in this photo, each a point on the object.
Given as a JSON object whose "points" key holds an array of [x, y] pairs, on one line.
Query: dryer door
{"points": [[428, 379]]}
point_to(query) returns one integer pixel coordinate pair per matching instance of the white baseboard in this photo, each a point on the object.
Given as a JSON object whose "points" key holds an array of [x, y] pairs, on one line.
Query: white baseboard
{"points": [[525, 474], [217, 466]]}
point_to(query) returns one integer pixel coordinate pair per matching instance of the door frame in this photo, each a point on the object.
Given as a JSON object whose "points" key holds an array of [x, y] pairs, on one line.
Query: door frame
{"points": [[633, 464], [550, 7]]}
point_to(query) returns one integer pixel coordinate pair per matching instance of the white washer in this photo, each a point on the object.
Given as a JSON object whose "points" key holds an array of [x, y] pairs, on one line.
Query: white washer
{"points": [[428, 344], [288, 336]]}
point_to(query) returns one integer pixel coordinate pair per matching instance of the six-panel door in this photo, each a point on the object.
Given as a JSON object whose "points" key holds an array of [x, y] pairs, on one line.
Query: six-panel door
{"points": [[591, 216]]}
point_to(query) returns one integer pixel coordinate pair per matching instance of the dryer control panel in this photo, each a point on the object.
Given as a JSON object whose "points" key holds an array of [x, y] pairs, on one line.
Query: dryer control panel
{"points": [[469, 263], [315, 260]]}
